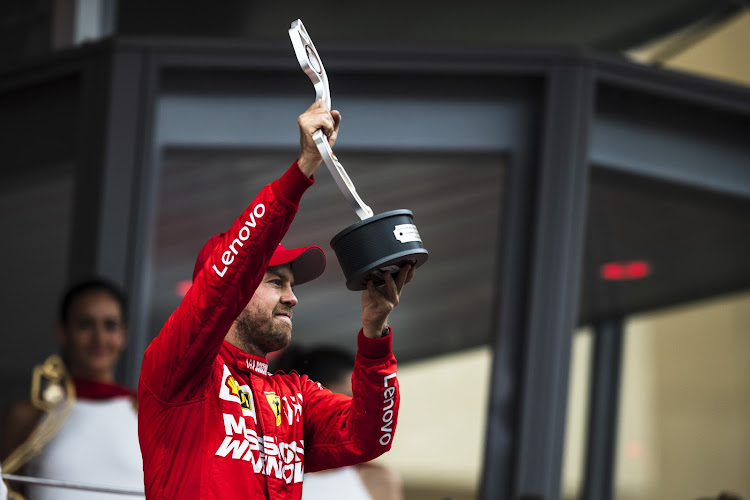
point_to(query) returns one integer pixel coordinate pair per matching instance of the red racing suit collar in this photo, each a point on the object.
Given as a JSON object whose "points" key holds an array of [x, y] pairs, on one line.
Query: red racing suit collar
{"points": [[244, 362]]}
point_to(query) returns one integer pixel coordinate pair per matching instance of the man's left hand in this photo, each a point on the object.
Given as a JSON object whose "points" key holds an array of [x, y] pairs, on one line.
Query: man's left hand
{"points": [[378, 302]]}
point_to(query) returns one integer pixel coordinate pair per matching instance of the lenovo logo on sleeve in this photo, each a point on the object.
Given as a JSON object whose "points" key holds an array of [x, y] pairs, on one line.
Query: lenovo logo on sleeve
{"points": [[243, 235]]}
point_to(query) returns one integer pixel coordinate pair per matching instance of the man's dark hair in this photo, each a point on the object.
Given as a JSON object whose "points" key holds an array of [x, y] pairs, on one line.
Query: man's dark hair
{"points": [[324, 364], [92, 285]]}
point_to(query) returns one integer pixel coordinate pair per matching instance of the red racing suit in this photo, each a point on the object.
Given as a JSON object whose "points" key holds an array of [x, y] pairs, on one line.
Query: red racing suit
{"points": [[212, 422]]}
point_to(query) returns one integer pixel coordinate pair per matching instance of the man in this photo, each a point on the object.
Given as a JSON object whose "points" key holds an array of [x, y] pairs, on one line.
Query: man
{"points": [[212, 422]]}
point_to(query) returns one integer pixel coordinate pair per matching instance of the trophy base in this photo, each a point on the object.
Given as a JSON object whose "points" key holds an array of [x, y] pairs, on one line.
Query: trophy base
{"points": [[379, 244]]}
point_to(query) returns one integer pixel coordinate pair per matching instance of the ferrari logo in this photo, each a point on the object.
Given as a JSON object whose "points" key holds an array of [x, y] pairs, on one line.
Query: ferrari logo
{"points": [[275, 403]]}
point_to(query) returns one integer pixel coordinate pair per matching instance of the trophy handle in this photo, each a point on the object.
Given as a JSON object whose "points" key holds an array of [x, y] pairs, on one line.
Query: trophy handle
{"points": [[310, 62], [345, 184]]}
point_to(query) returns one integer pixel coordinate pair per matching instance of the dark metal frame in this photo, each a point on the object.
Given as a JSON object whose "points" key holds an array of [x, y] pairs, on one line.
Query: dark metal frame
{"points": [[538, 280], [604, 399]]}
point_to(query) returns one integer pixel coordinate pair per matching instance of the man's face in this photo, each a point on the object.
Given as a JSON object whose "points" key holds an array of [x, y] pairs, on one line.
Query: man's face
{"points": [[93, 336], [266, 321]]}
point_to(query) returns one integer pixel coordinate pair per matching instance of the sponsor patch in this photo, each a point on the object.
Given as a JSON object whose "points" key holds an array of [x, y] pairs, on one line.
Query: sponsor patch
{"points": [[266, 454], [231, 390]]}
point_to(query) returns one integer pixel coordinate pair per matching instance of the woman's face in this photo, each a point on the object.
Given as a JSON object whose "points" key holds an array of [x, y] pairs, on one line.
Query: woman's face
{"points": [[93, 336]]}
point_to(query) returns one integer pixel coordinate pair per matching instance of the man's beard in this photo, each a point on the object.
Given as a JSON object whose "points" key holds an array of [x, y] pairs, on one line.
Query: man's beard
{"points": [[265, 334]]}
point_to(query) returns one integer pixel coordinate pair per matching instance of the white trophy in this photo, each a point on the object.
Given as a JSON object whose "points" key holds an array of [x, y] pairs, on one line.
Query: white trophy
{"points": [[377, 243]]}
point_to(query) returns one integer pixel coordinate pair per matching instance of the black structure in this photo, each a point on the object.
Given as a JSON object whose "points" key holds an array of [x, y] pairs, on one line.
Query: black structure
{"points": [[581, 141], [603, 408]]}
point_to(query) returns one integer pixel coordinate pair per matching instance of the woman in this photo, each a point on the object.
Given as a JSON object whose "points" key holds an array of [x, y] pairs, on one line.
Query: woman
{"points": [[79, 425]]}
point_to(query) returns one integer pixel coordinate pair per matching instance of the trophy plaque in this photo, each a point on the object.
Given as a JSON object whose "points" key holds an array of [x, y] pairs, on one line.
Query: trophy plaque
{"points": [[377, 244]]}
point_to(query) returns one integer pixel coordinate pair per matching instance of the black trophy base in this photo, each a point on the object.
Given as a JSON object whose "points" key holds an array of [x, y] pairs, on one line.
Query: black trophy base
{"points": [[379, 244]]}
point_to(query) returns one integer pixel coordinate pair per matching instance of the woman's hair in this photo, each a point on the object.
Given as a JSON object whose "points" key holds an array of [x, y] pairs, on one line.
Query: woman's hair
{"points": [[92, 285], [324, 364]]}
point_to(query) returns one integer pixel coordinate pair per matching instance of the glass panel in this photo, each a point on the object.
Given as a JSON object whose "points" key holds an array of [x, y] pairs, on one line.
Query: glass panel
{"points": [[579, 382], [35, 226], [685, 403], [456, 200], [449, 303], [439, 445]]}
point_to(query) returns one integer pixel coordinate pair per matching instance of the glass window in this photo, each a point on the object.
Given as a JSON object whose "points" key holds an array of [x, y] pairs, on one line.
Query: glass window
{"points": [[35, 226], [579, 382], [685, 402], [456, 201]]}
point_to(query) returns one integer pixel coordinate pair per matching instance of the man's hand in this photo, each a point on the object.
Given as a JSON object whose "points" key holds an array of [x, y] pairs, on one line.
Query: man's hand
{"points": [[378, 302], [315, 118]]}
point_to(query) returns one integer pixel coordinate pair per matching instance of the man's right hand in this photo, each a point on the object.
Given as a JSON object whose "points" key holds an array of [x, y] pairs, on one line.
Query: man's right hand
{"points": [[315, 118]]}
